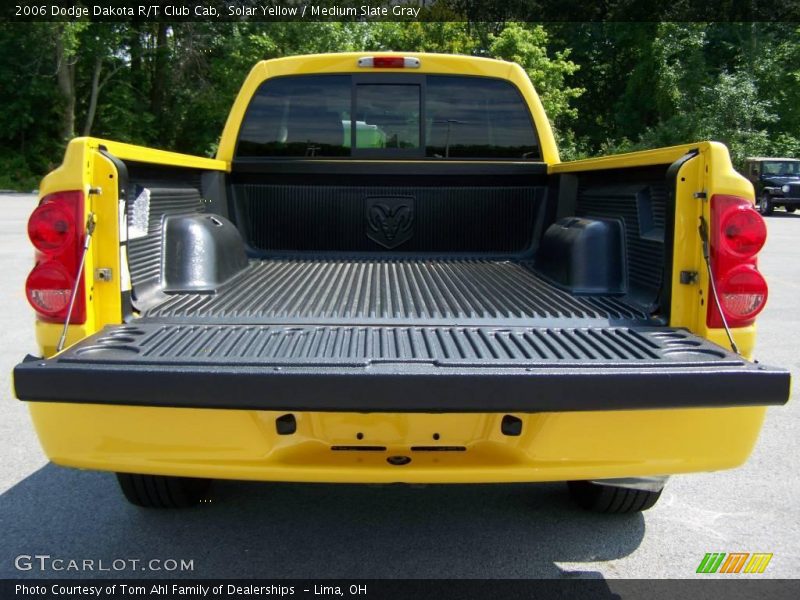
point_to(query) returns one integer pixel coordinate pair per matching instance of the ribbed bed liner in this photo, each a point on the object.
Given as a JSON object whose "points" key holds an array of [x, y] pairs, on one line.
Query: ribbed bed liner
{"points": [[261, 343], [443, 291], [359, 345]]}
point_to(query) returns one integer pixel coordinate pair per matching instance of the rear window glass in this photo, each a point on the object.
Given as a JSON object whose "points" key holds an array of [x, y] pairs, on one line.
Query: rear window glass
{"points": [[387, 116], [477, 118], [437, 117], [298, 116]]}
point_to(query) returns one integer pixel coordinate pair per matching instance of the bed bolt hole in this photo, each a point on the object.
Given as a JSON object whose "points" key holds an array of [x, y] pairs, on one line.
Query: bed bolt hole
{"points": [[286, 425], [398, 461], [436, 436], [511, 426], [359, 436]]}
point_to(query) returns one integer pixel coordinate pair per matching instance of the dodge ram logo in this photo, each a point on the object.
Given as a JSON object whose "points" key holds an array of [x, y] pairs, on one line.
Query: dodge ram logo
{"points": [[390, 221]]}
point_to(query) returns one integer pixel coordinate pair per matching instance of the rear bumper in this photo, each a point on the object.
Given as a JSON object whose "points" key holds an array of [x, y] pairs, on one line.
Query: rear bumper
{"points": [[237, 444]]}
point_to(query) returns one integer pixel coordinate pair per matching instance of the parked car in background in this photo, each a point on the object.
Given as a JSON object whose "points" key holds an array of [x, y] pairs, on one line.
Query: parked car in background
{"points": [[776, 182]]}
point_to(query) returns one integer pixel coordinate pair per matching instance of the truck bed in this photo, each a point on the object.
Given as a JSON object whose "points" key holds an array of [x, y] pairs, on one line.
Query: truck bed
{"points": [[311, 317], [394, 291]]}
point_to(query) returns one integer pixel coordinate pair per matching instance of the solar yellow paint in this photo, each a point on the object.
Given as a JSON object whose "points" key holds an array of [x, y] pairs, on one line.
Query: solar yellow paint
{"points": [[244, 444], [231, 444]]}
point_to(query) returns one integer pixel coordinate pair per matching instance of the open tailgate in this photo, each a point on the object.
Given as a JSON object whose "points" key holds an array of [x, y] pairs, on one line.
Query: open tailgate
{"points": [[363, 368]]}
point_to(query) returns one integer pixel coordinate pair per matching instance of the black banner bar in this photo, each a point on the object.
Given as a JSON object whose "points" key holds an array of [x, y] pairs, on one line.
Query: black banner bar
{"points": [[214, 11], [736, 587]]}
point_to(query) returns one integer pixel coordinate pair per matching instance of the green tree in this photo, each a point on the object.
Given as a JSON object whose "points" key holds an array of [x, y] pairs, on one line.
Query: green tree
{"points": [[639, 85], [66, 38], [526, 45], [31, 119], [442, 37]]}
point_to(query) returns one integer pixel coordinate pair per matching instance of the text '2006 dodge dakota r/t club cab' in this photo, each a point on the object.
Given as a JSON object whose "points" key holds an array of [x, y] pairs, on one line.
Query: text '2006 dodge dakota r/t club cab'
{"points": [[387, 275]]}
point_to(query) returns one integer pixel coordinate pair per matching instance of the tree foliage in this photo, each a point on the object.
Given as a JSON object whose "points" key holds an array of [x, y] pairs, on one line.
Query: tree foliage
{"points": [[607, 86], [527, 45]]}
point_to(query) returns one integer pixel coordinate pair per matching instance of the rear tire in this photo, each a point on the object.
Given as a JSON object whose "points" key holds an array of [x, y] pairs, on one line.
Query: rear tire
{"points": [[790, 209], [611, 500], [158, 491], [765, 206]]}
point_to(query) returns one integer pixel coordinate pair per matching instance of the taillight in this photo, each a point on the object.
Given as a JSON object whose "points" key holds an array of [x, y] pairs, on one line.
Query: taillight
{"points": [[51, 226], [49, 288], [389, 62], [742, 293], [55, 230], [743, 230], [738, 233]]}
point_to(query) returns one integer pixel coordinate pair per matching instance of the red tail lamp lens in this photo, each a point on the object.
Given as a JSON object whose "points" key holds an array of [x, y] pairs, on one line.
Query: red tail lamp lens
{"points": [[742, 293], [56, 230], [737, 235], [50, 227], [49, 287], [743, 230]]}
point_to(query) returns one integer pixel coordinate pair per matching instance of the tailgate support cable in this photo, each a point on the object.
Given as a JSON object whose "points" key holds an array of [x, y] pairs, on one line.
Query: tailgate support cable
{"points": [[703, 229], [90, 223]]}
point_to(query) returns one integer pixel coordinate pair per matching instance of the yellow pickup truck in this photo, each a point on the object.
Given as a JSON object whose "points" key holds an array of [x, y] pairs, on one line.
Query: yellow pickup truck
{"points": [[387, 275]]}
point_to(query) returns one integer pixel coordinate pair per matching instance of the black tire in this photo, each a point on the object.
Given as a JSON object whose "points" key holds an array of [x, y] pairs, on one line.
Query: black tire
{"points": [[158, 491], [790, 209], [765, 206], [611, 500]]}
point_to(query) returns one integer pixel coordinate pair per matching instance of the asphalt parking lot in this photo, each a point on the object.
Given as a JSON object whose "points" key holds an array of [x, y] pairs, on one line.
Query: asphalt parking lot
{"points": [[324, 531]]}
